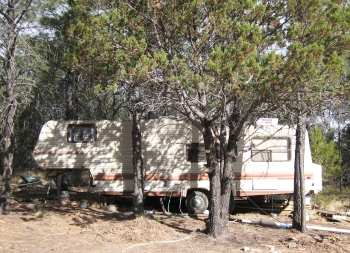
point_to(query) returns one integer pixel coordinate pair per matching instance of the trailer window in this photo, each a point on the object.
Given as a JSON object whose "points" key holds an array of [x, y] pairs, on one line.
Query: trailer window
{"points": [[81, 133], [271, 149], [196, 152]]}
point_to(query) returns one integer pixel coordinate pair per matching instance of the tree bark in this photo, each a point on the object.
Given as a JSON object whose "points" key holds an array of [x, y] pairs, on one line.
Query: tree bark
{"points": [[138, 204], [299, 178], [220, 185], [214, 223], [11, 104], [69, 113]]}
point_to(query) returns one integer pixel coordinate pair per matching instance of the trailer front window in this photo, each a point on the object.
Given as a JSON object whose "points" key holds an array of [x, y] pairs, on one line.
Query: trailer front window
{"points": [[270, 149], [81, 133]]}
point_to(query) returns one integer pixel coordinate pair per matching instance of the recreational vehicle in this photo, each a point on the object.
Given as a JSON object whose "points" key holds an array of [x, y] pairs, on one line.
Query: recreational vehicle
{"points": [[173, 157]]}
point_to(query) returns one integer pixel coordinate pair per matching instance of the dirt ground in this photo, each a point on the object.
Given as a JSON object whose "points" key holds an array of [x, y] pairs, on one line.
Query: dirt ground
{"points": [[35, 224]]}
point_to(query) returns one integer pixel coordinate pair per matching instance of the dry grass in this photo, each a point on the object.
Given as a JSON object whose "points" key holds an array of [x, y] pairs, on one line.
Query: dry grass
{"points": [[51, 227]]}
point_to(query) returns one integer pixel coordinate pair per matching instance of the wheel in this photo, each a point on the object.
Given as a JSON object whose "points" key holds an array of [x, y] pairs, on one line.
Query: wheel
{"points": [[196, 202], [232, 204]]}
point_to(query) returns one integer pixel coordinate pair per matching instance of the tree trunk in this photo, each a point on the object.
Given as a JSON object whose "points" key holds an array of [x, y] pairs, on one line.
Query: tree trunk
{"points": [[214, 224], [137, 205], [8, 147], [70, 115], [11, 104], [220, 189], [299, 181]]}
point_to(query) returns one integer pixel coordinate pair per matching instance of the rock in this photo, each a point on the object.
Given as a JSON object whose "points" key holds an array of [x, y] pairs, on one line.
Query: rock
{"points": [[31, 206], [247, 249], [292, 245], [318, 238], [271, 247]]}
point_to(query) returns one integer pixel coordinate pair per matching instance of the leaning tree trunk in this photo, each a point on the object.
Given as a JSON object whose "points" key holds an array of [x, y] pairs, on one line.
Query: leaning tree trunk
{"points": [[137, 205], [299, 178], [11, 103]]}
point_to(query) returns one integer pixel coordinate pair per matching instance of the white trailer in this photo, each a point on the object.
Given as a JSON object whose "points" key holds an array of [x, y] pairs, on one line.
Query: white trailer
{"points": [[265, 164], [174, 158]]}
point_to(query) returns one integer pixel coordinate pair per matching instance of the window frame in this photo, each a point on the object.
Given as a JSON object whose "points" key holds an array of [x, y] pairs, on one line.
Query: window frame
{"points": [[81, 127], [270, 151]]}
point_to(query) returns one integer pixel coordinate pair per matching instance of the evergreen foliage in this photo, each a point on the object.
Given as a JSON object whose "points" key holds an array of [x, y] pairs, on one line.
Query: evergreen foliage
{"points": [[326, 154]]}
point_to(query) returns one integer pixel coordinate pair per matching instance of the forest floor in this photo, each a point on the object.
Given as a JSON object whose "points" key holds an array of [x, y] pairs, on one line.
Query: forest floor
{"points": [[37, 224]]}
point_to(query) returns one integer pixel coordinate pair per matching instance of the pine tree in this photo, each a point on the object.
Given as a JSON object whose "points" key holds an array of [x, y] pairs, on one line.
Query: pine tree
{"points": [[326, 154]]}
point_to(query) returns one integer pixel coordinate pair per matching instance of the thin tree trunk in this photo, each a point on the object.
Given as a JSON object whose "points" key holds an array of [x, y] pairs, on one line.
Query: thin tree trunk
{"points": [[226, 179], [299, 178], [70, 115], [137, 205], [230, 159]]}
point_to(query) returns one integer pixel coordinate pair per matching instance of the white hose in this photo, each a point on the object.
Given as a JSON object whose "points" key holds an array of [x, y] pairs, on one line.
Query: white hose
{"points": [[283, 225]]}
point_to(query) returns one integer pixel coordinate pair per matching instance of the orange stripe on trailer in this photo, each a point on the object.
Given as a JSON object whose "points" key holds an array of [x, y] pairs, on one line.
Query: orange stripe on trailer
{"points": [[61, 153], [246, 176], [146, 194], [189, 176], [265, 192], [162, 193], [112, 176], [116, 193], [194, 176]]}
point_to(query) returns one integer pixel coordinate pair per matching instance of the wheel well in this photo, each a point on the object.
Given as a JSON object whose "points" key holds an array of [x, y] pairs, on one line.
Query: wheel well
{"points": [[205, 191]]}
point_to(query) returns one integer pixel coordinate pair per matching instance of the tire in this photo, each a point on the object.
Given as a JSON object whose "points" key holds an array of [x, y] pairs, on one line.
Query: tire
{"points": [[196, 202], [232, 204]]}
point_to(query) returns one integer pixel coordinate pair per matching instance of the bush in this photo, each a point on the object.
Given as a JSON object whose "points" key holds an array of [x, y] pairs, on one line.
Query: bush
{"points": [[330, 194]]}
